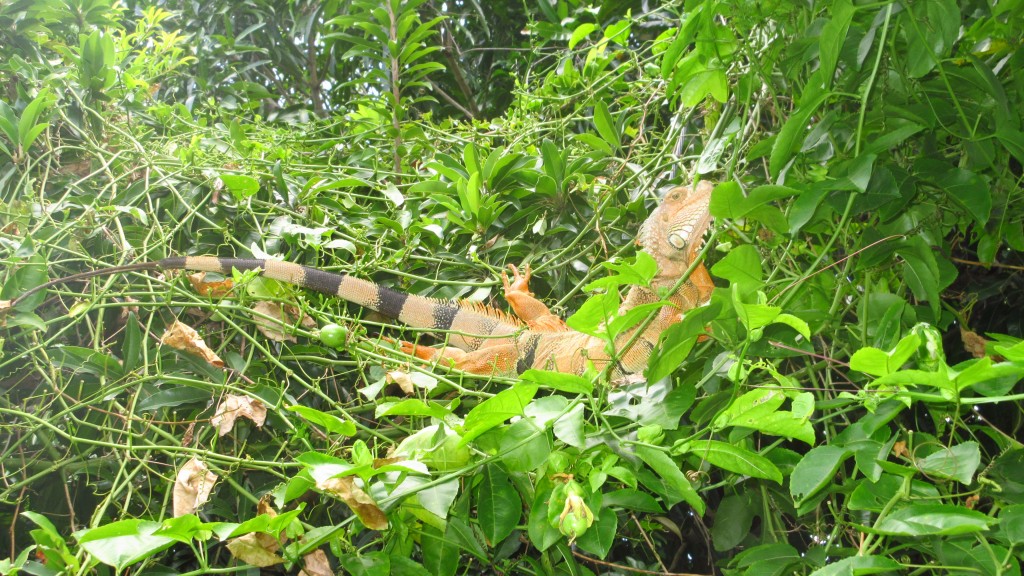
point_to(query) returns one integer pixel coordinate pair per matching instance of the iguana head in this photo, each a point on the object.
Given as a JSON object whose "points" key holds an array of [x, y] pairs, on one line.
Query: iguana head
{"points": [[674, 232]]}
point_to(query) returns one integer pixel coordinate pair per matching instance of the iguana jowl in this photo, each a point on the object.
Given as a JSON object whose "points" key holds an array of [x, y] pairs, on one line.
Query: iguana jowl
{"points": [[485, 340]]}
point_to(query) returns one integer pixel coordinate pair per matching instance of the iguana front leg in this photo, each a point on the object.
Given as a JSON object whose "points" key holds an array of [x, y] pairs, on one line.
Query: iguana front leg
{"points": [[530, 310]]}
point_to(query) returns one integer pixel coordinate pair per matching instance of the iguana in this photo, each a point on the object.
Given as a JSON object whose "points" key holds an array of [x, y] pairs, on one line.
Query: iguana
{"points": [[485, 340]]}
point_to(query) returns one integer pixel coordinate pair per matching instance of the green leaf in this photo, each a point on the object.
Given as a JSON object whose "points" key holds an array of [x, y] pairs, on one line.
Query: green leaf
{"points": [[733, 458], [440, 553], [792, 133], [560, 381], [733, 520], [931, 28], [759, 410], [932, 520], [741, 266], [413, 407], [795, 323], [120, 544], [498, 505], [958, 462], [880, 363], [240, 186], [506, 404], [971, 192], [833, 35], [599, 538], [581, 32], [728, 200], [606, 124], [815, 470], [1011, 520], [859, 565], [669, 471], [330, 422], [542, 534]]}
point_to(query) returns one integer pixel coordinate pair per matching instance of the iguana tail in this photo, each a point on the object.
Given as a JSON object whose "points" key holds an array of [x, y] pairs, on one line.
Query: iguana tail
{"points": [[474, 322]]}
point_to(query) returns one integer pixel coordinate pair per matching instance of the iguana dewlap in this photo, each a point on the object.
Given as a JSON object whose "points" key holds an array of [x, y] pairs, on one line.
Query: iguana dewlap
{"points": [[485, 340]]}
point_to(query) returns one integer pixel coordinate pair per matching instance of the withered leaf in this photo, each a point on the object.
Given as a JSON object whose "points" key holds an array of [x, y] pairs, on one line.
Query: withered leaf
{"points": [[359, 501], [256, 549], [182, 337], [233, 407], [192, 487], [316, 564]]}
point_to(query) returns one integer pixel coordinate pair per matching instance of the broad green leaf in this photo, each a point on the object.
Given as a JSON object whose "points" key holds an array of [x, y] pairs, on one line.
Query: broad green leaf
{"points": [[676, 343], [332, 423], [816, 470], [932, 520], [504, 405], [931, 29], [742, 266], [670, 472], [859, 565], [123, 543], [759, 410], [560, 381], [732, 458], [413, 407], [542, 534], [958, 462], [970, 191], [440, 554], [880, 363], [1011, 520], [795, 323], [733, 520], [498, 504], [728, 200], [833, 35], [605, 124], [240, 186], [598, 540], [791, 135], [581, 32]]}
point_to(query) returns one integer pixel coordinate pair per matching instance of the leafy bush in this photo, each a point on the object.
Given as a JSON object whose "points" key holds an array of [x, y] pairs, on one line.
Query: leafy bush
{"points": [[847, 402]]}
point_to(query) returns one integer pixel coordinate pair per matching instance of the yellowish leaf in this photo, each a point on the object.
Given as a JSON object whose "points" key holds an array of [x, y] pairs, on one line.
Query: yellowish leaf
{"points": [[256, 549]]}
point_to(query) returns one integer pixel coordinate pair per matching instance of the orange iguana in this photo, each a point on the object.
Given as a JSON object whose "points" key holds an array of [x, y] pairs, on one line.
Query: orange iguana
{"points": [[485, 340]]}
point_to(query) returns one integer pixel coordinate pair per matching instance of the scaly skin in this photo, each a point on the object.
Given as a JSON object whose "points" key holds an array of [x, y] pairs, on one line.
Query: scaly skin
{"points": [[485, 340]]}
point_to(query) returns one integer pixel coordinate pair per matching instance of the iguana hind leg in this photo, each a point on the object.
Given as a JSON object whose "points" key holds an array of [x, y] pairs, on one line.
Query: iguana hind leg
{"points": [[530, 310], [499, 360]]}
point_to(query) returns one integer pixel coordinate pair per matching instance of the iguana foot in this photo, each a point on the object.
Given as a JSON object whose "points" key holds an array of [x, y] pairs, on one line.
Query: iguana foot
{"points": [[526, 307], [519, 283]]}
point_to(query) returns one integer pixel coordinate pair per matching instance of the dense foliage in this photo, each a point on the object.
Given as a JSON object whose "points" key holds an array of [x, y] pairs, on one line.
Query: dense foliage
{"points": [[848, 402]]}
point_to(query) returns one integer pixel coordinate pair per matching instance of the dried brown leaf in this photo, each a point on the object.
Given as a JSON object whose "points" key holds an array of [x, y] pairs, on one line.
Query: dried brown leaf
{"points": [[182, 337], [256, 549], [192, 487], [404, 381], [316, 564], [973, 343], [211, 288], [359, 501], [233, 407]]}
